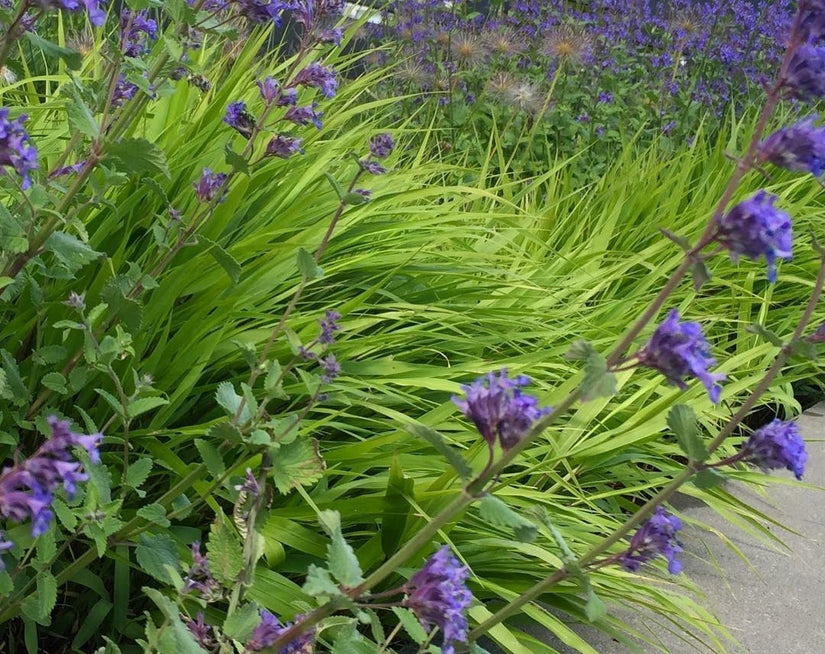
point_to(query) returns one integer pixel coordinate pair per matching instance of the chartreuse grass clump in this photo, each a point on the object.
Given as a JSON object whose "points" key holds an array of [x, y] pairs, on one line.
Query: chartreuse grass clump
{"points": [[218, 258]]}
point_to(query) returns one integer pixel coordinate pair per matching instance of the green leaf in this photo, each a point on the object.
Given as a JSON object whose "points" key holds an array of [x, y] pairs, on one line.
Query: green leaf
{"points": [[411, 624], [495, 511], [341, 559], [273, 383], [81, 118], [400, 490], [12, 234], [138, 472], [211, 457], [225, 431], [681, 241], [339, 191], [766, 333], [40, 604], [240, 624], [64, 514], [227, 398], [154, 513], [597, 381], [225, 552], [145, 404], [349, 641], [319, 583], [297, 463], [74, 60], [435, 439], [56, 382], [307, 266], [136, 156], [92, 620], [124, 308], [354, 199], [154, 552], [708, 478], [802, 348], [49, 354], [14, 390], [595, 609], [183, 642], [223, 258], [70, 251], [237, 161], [682, 421], [701, 274]]}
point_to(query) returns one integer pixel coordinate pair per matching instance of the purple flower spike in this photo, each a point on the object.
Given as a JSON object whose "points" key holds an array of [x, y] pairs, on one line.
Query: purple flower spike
{"points": [[755, 228], [5, 545], [16, 149], [270, 89], [136, 31], [381, 145], [331, 368], [654, 537], [679, 350], [498, 408], [777, 445], [204, 633], [270, 629], [284, 146], [329, 325], [439, 597], [806, 73], [238, 117], [199, 577], [304, 115], [210, 186], [96, 15], [798, 147], [319, 77]]}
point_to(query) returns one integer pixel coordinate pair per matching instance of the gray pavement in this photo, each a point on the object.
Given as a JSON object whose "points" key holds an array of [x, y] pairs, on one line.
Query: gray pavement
{"points": [[775, 604]]}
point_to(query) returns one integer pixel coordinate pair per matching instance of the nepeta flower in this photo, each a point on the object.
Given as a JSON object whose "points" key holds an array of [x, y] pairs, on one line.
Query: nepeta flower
{"points": [[654, 537], [332, 36], [96, 15], [304, 115], [250, 484], [756, 228], [28, 488], [5, 545], [498, 408], [270, 629], [136, 31], [16, 149], [238, 117], [372, 167], [812, 19], [124, 90], [199, 577], [284, 146], [67, 170], [331, 368], [329, 325], [798, 147], [678, 351], [261, 11], [806, 73], [776, 445], [439, 597], [204, 633], [317, 76], [270, 89], [381, 145], [210, 186]]}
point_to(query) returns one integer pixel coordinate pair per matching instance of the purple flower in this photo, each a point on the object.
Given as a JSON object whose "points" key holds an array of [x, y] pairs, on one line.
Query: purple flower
{"points": [[5, 545], [372, 167], [776, 445], [333, 36], [136, 31], [27, 489], [329, 325], [16, 149], [317, 76], [654, 537], [284, 146], [798, 147], [497, 407], [250, 484], [204, 633], [270, 89], [806, 73], [381, 145], [261, 11], [679, 350], [812, 19], [270, 629], [124, 90], [238, 117], [606, 97], [199, 577], [439, 597], [756, 228], [210, 186], [331, 368], [96, 15], [67, 170], [304, 115]]}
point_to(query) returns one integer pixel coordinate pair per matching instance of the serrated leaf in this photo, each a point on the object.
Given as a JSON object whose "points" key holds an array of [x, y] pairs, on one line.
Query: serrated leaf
{"points": [[495, 511], [437, 441], [70, 251], [211, 457], [223, 258], [248, 352], [682, 421], [804, 349], [81, 118], [307, 266], [411, 624], [227, 398], [145, 404], [39, 605], [236, 160], [74, 60], [595, 609], [680, 240], [133, 155], [124, 308], [55, 381], [579, 351], [64, 514], [154, 552], [225, 431], [12, 234], [297, 463], [339, 191], [766, 333], [154, 513], [701, 274], [46, 547], [183, 642], [349, 641], [14, 390], [319, 583], [49, 354], [708, 478], [241, 622], [225, 552], [597, 381], [273, 383], [6, 583], [138, 472], [341, 559]]}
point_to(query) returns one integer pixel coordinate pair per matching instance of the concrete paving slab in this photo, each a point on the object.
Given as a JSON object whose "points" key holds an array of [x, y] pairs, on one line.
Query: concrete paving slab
{"points": [[775, 605]]}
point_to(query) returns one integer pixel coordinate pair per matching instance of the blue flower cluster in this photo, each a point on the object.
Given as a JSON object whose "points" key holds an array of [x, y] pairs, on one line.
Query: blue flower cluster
{"points": [[439, 597], [657, 536], [270, 629], [776, 445], [16, 149], [28, 489], [499, 409]]}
